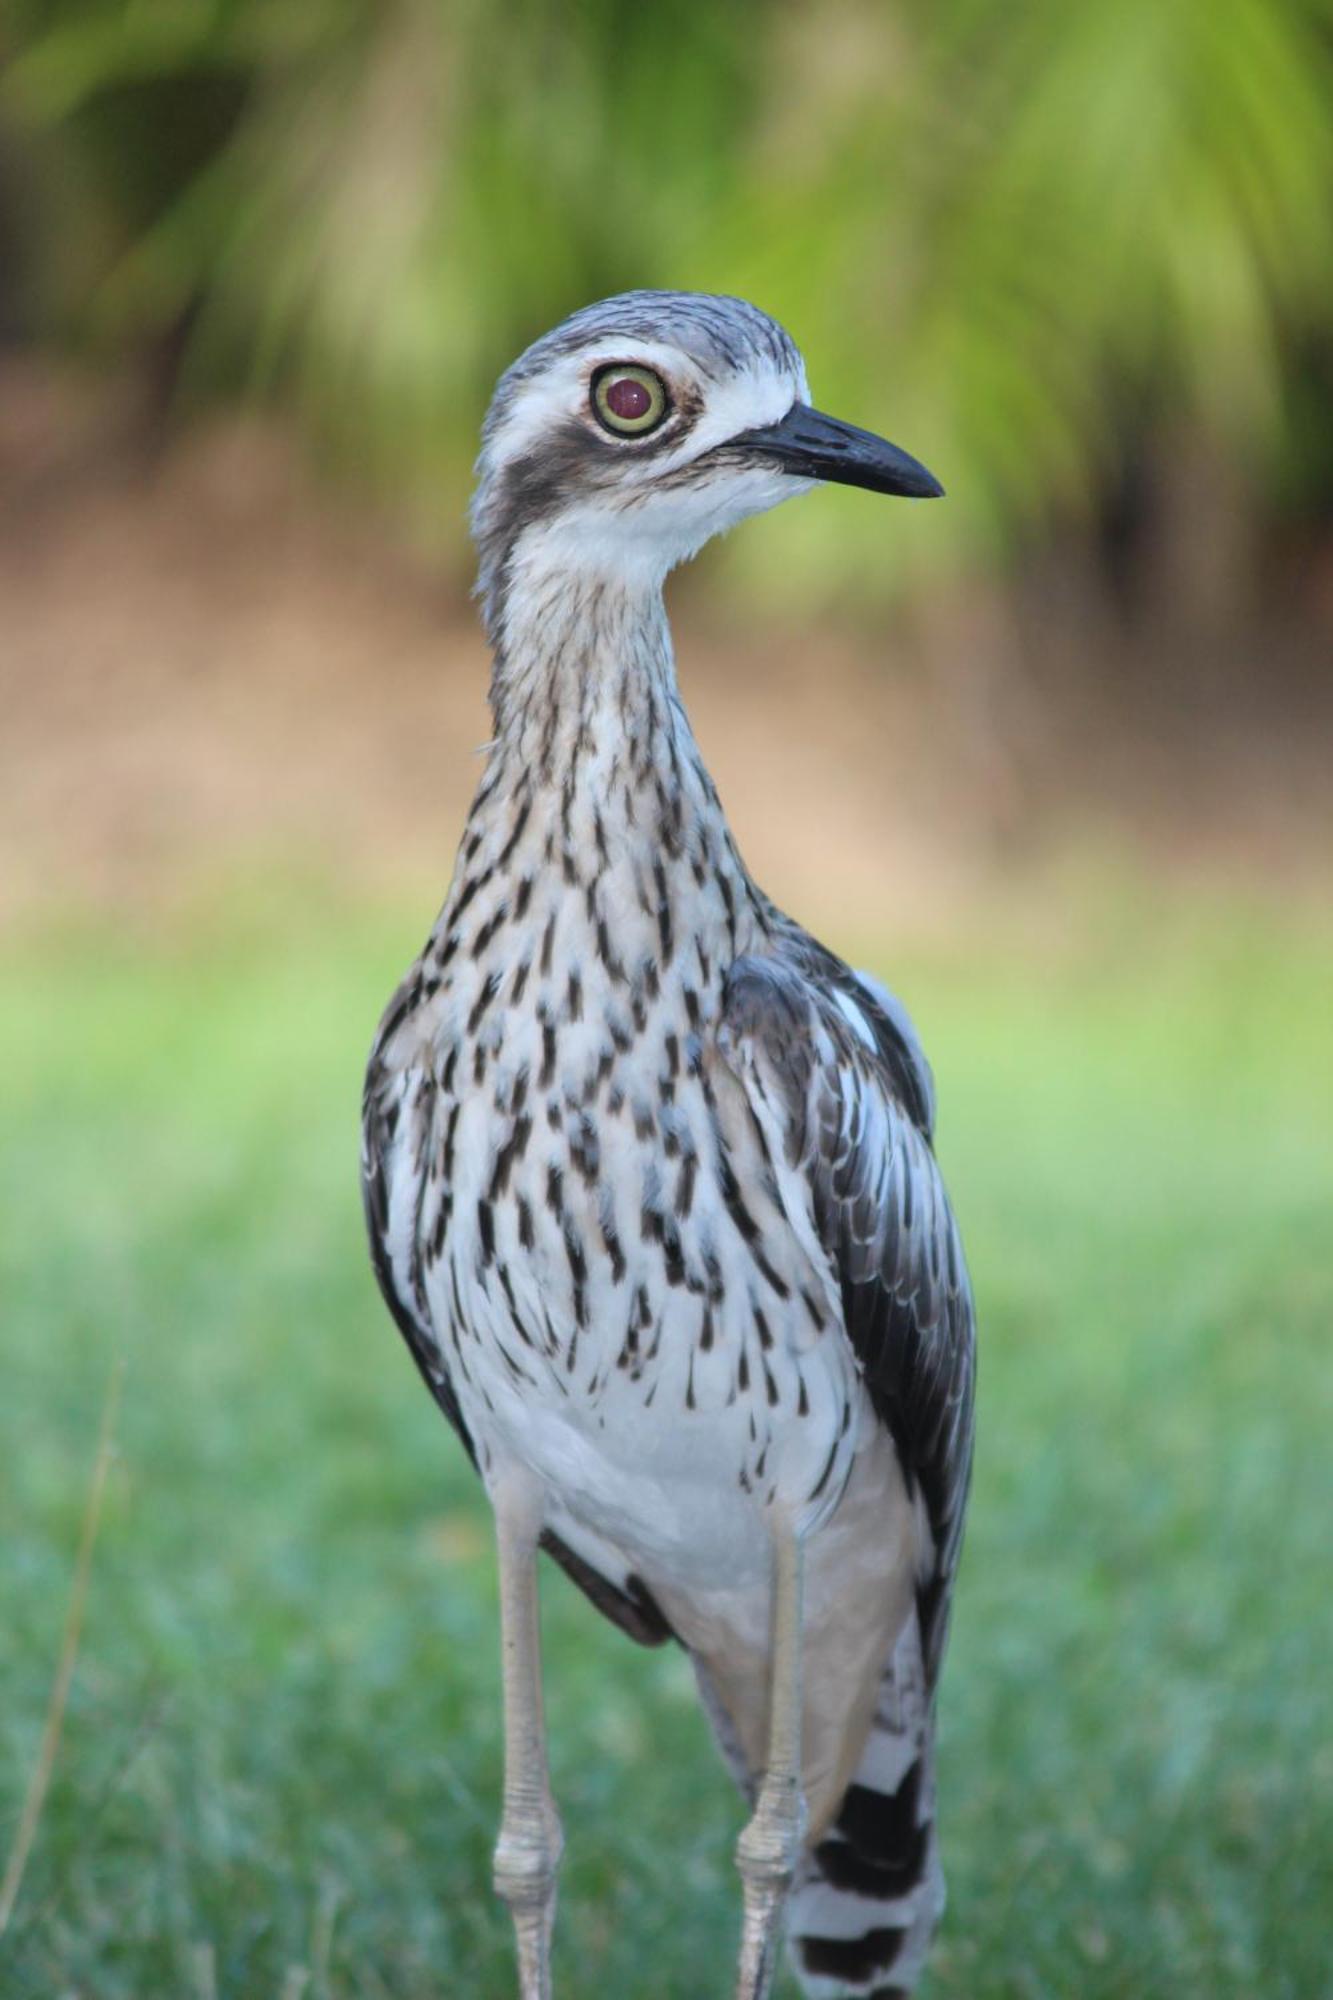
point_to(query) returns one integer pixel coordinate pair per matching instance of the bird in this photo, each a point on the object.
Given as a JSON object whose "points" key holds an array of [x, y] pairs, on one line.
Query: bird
{"points": [[649, 1174]]}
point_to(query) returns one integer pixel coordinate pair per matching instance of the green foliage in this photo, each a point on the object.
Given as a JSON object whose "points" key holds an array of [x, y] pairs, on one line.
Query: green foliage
{"points": [[1014, 232], [280, 1768]]}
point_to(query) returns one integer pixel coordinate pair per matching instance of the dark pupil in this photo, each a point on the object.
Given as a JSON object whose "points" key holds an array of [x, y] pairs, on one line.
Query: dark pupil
{"points": [[629, 400]]}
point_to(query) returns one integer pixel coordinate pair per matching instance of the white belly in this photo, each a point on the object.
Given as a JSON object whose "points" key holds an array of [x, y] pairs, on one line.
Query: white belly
{"points": [[675, 1467], [663, 1382]]}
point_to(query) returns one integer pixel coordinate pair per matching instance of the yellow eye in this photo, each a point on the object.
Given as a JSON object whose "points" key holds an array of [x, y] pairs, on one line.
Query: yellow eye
{"points": [[628, 400]]}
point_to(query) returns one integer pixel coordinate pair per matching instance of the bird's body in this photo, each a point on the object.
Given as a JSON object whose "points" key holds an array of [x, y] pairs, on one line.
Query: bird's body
{"points": [[635, 1149]]}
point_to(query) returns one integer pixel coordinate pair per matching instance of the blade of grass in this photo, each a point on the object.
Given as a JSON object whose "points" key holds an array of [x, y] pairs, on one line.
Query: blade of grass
{"points": [[26, 1831]]}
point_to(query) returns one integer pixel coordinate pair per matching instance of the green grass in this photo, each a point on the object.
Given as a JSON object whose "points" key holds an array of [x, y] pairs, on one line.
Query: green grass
{"points": [[279, 1768]]}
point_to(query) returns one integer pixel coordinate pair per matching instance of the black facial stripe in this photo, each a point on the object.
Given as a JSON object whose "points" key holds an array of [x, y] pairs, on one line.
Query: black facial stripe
{"points": [[531, 489], [578, 456]]}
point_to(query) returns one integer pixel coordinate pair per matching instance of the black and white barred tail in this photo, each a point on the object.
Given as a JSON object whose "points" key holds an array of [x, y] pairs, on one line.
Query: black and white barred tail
{"points": [[868, 1897]]}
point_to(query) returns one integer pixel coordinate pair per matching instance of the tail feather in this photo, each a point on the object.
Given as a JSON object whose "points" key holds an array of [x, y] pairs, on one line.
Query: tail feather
{"points": [[868, 1897]]}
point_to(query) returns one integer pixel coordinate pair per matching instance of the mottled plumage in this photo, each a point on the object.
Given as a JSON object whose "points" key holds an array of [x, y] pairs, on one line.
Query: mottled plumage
{"points": [[648, 1172]]}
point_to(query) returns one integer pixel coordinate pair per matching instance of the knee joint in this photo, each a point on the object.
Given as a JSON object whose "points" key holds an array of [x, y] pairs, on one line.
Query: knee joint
{"points": [[527, 1855], [770, 1845]]}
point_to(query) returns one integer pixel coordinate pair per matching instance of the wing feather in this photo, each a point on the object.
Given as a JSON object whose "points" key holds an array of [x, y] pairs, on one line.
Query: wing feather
{"points": [[857, 1097], [397, 1119]]}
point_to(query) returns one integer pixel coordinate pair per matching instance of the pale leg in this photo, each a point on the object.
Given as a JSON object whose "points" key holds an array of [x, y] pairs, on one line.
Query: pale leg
{"points": [[527, 1853], [770, 1846]]}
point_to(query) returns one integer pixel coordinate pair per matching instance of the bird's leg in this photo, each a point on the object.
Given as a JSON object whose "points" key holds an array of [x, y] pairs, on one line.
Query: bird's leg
{"points": [[770, 1845], [528, 1851]]}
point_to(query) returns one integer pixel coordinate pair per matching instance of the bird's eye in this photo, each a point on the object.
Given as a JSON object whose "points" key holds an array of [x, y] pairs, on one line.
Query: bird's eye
{"points": [[627, 400]]}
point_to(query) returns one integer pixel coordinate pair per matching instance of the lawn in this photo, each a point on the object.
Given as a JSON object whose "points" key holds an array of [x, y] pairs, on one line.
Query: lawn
{"points": [[279, 1768]]}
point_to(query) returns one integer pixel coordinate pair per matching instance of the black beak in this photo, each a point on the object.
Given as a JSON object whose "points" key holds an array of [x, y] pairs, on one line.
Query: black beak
{"points": [[813, 446]]}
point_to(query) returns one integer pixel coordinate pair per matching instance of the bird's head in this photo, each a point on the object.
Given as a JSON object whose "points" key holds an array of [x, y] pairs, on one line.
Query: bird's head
{"points": [[626, 438]]}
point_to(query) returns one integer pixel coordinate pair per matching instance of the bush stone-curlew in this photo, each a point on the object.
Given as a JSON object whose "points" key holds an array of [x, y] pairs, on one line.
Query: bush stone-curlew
{"points": [[649, 1178]]}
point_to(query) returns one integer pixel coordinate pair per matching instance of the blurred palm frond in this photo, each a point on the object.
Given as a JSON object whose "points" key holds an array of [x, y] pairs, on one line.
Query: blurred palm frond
{"points": [[1022, 236]]}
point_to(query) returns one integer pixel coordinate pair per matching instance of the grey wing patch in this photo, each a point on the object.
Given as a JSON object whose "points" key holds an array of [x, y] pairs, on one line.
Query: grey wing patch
{"points": [[801, 1029]]}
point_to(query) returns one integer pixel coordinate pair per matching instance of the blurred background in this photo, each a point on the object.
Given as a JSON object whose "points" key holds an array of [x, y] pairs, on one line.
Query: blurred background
{"points": [[1053, 757]]}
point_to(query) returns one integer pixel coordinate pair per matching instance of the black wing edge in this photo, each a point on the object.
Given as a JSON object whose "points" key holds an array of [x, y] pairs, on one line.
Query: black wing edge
{"points": [[928, 1411], [376, 1132], [635, 1610]]}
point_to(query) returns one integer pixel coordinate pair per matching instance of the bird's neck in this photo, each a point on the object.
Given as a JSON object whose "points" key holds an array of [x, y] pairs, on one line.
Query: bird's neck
{"points": [[595, 792], [583, 676]]}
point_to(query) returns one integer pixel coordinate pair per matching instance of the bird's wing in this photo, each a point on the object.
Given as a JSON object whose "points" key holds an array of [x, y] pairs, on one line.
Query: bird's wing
{"points": [[835, 1076], [400, 1150]]}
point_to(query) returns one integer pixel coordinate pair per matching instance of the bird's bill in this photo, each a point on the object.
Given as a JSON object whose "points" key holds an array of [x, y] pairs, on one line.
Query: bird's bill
{"points": [[813, 446]]}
